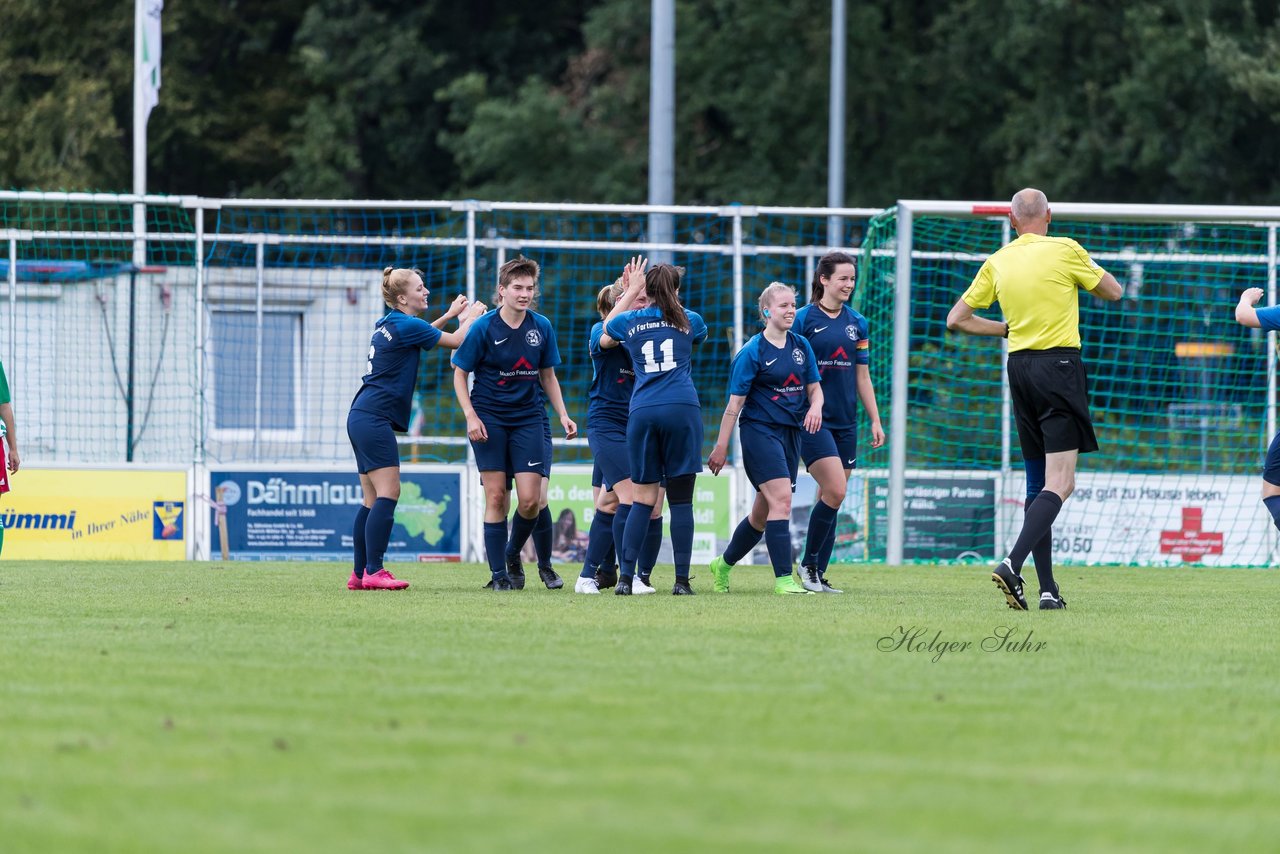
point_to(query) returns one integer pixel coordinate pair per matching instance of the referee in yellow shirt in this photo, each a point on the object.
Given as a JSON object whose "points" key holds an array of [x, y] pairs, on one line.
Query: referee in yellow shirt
{"points": [[1035, 279]]}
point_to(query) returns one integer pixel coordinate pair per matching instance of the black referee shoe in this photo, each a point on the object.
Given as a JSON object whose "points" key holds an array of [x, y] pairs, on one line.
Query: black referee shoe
{"points": [[1010, 583], [1052, 601]]}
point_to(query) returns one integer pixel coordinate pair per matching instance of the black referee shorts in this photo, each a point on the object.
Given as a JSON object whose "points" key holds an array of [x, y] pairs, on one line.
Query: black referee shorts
{"points": [[1051, 402]]}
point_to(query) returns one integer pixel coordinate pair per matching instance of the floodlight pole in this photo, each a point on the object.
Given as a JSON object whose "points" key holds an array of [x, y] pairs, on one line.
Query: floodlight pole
{"points": [[662, 123], [133, 336], [139, 139], [835, 130]]}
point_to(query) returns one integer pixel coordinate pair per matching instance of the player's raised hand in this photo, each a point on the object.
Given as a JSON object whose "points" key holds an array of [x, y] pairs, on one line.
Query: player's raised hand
{"points": [[1251, 296], [477, 308], [570, 428], [476, 431], [635, 272], [458, 306], [716, 461]]}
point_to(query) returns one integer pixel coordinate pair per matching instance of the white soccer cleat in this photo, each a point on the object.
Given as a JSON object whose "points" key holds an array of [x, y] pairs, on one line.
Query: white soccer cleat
{"points": [[810, 580], [586, 585], [639, 588]]}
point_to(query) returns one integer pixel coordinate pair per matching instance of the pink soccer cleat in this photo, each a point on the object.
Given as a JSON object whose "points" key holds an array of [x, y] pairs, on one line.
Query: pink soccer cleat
{"points": [[355, 582], [383, 580]]}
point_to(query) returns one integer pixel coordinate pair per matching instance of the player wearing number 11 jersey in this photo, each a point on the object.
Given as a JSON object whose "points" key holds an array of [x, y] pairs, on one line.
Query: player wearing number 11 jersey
{"points": [[664, 432]]}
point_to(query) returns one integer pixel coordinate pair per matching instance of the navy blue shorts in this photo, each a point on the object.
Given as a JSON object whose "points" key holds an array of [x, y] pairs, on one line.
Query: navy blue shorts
{"points": [[665, 442], [597, 476], [830, 443], [770, 451], [513, 450], [373, 440], [608, 441], [1271, 469]]}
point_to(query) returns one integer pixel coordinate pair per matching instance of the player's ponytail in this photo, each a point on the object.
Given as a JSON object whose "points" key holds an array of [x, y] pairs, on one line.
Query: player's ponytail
{"points": [[395, 282], [662, 283], [607, 297], [826, 268]]}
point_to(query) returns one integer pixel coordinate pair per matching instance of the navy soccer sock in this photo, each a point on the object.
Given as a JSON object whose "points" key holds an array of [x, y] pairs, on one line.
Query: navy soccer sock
{"points": [[681, 538], [744, 539], [652, 545], [1036, 523], [599, 538], [633, 537], [1273, 504], [824, 554], [777, 538], [611, 556], [620, 537], [521, 528], [357, 538], [821, 521], [377, 531], [495, 547], [542, 538]]}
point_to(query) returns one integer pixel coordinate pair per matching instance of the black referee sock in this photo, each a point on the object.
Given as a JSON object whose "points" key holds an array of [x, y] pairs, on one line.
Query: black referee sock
{"points": [[1042, 554], [1036, 524]]}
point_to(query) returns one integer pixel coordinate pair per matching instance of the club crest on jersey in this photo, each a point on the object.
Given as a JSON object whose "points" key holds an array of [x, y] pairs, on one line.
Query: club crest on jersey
{"points": [[797, 356], [533, 337], [852, 332]]}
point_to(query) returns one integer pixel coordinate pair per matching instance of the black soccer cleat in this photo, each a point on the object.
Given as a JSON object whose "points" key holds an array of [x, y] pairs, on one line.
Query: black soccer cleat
{"points": [[606, 576], [496, 584], [515, 570], [682, 588], [1052, 601], [623, 587], [549, 578], [1010, 583]]}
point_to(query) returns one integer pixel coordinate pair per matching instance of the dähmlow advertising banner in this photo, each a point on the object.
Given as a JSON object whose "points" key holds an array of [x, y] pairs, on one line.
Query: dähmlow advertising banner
{"points": [[307, 515]]}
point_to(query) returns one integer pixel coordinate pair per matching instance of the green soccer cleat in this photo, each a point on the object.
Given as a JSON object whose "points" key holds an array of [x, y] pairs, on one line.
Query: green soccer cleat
{"points": [[720, 574], [786, 586]]}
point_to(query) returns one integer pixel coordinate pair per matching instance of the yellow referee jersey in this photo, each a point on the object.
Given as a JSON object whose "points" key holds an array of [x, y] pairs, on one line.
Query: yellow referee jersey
{"points": [[1035, 279]]}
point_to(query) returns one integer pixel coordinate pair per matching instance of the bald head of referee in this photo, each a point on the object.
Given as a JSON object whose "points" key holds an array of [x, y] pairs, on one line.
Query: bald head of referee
{"points": [[1037, 279]]}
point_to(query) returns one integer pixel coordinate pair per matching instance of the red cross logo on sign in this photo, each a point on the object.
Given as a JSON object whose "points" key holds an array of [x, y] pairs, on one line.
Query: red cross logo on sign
{"points": [[1191, 543]]}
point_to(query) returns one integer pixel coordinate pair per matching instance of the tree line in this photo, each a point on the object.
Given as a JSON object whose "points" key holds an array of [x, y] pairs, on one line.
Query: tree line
{"points": [[1157, 101]]}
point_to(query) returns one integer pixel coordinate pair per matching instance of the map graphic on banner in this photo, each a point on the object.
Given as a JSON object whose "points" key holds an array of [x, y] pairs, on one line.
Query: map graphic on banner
{"points": [[300, 515]]}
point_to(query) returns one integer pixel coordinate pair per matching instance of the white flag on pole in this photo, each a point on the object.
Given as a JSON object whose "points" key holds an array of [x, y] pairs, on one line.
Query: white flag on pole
{"points": [[150, 70]]}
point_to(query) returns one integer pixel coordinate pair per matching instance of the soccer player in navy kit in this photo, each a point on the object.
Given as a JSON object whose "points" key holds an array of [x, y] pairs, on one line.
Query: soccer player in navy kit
{"points": [[774, 384], [513, 354], [381, 408], [664, 429], [1268, 320], [838, 336]]}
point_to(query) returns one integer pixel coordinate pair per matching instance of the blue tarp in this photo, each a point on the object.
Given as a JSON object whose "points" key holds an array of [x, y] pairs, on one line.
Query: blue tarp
{"points": [[64, 271]]}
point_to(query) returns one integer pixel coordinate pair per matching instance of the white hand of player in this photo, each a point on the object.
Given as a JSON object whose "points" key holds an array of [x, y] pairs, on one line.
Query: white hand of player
{"points": [[634, 272], [458, 305], [478, 308], [813, 419], [716, 461], [877, 434], [570, 428], [1251, 296], [476, 431]]}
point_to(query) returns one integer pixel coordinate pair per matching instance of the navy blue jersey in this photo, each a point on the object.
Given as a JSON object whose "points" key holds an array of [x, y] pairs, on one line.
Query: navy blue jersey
{"points": [[661, 355], [612, 380], [505, 362], [840, 343], [773, 379], [391, 371], [1269, 318]]}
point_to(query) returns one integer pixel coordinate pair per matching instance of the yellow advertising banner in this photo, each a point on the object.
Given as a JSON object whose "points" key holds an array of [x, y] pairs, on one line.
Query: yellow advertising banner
{"points": [[95, 514]]}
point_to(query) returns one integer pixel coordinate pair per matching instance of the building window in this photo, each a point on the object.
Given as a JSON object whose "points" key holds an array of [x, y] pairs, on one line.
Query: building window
{"points": [[237, 406]]}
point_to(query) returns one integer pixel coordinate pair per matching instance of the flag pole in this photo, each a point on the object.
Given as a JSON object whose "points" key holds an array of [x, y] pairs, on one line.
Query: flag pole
{"points": [[139, 134]]}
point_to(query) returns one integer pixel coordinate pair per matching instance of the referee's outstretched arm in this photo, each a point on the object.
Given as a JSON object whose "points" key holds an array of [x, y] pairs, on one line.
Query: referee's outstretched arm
{"points": [[961, 318]]}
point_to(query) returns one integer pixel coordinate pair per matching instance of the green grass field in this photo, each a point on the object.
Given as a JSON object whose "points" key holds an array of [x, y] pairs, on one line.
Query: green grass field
{"points": [[207, 707]]}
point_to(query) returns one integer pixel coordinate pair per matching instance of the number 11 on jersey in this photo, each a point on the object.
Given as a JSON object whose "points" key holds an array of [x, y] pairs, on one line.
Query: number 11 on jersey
{"points": [[668, 351]]}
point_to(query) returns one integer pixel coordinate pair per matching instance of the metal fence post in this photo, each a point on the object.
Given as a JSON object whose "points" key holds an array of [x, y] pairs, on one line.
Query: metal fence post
{"points": [[899, 397], [200, 341], [1271, 358], [260, 263]]}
